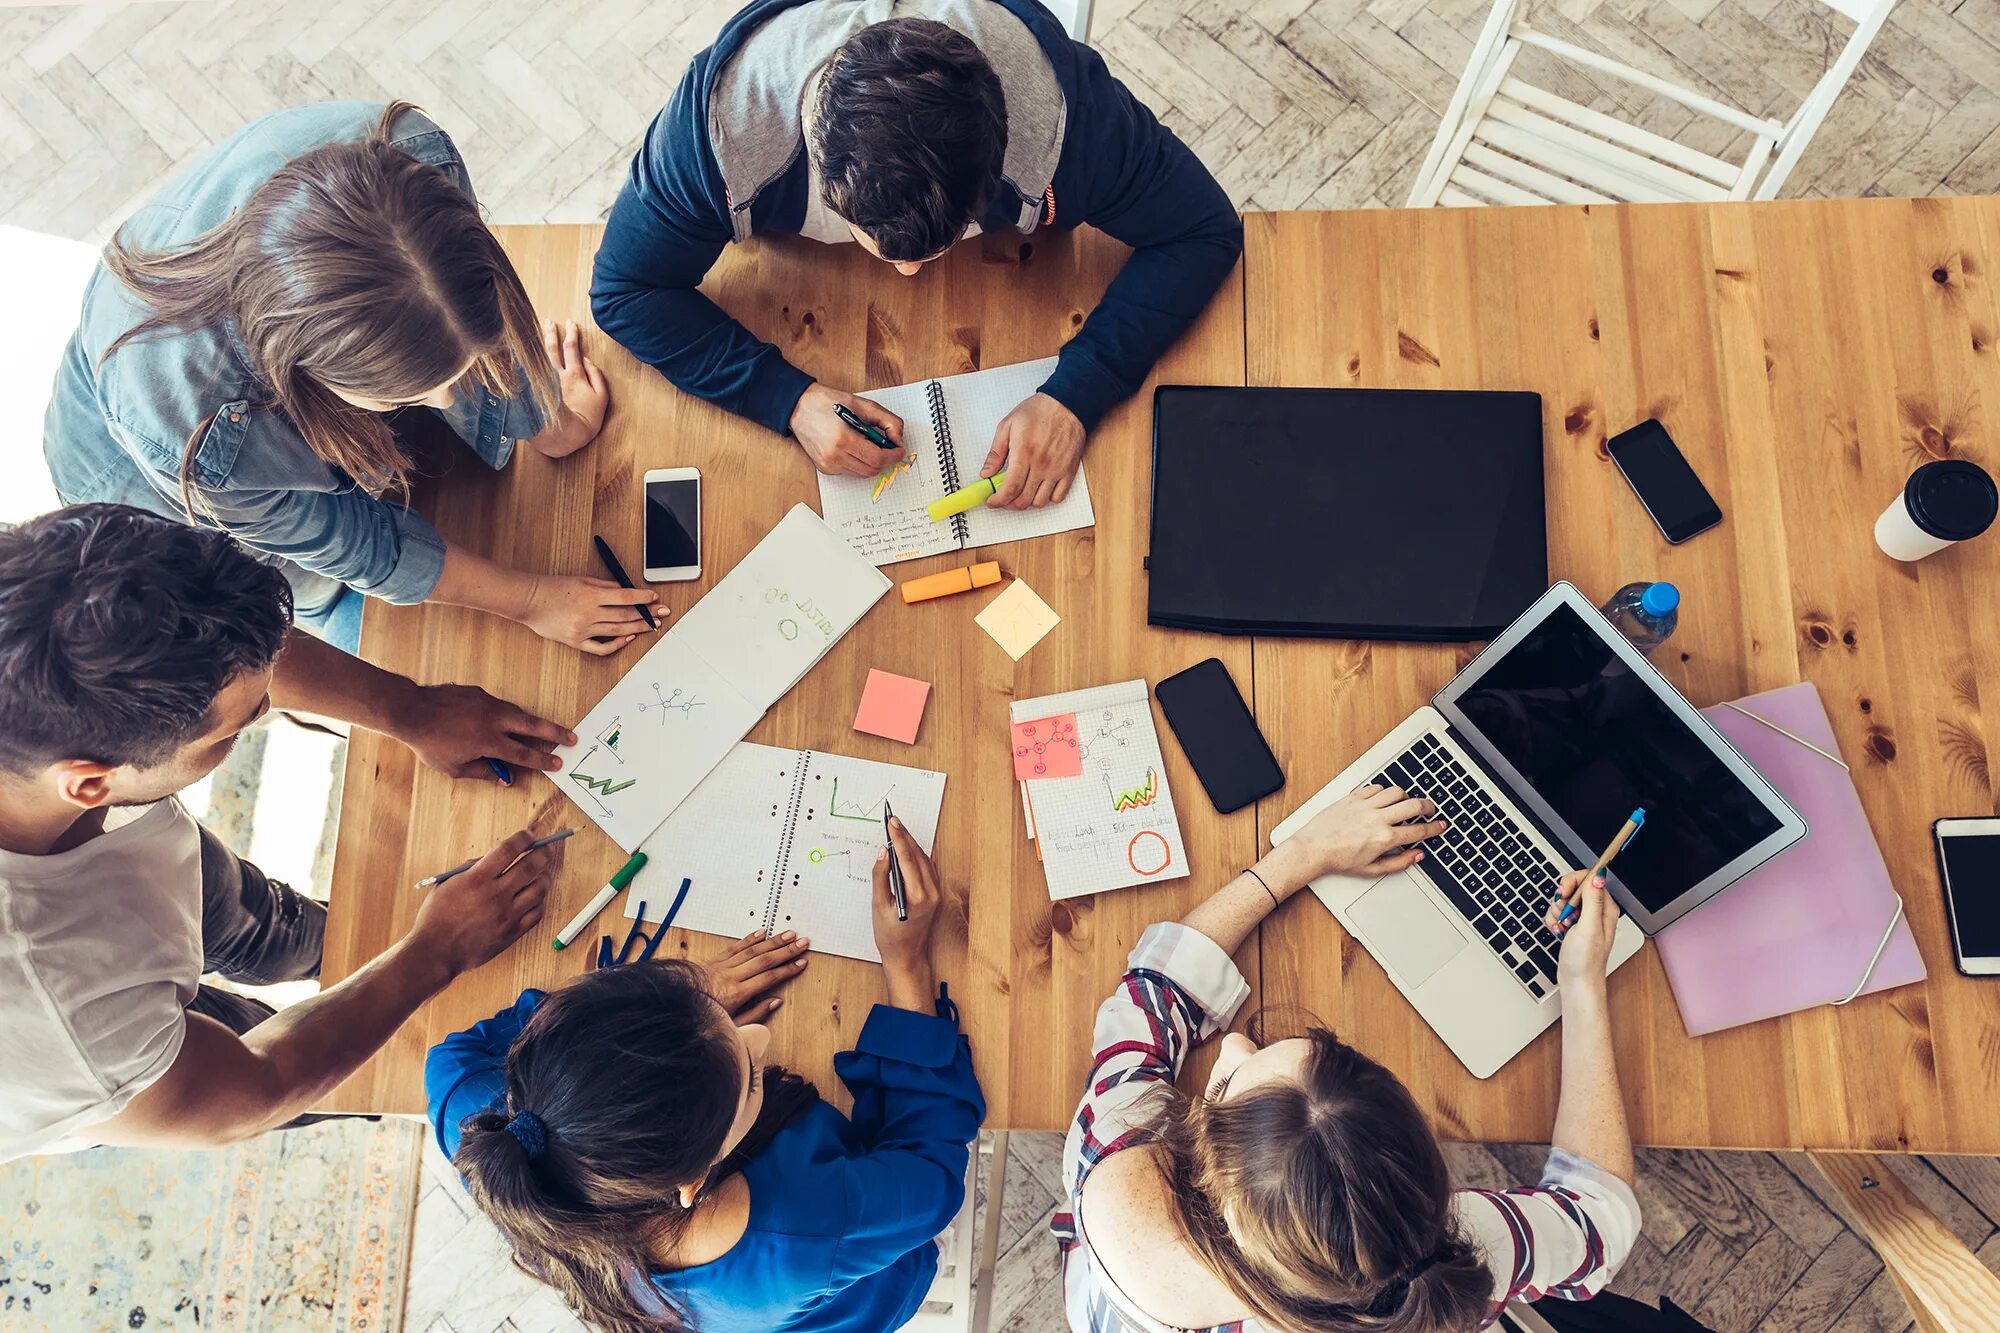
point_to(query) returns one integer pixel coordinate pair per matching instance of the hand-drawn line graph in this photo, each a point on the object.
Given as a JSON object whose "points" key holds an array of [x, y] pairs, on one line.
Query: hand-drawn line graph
{"points": [[612, 733], [666, 703], [597, 788], [888, 478], [1136, 798], [868, 812]]}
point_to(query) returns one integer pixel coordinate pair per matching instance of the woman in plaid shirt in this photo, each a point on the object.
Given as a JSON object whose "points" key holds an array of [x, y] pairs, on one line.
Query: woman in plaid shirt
{"points": [[1303, 1190]]}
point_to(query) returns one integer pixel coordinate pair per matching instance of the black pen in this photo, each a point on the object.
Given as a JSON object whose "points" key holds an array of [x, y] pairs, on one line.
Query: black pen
{"points": [[895, 869], [618, 573], [872, 434]]}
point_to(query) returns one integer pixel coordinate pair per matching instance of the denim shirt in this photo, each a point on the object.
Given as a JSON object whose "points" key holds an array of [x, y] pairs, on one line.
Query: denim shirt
{"points": [[116, 428]]}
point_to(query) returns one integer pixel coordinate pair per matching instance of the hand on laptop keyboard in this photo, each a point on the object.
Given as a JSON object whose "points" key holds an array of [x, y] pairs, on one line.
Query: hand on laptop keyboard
{"points": [[1373, 831]]}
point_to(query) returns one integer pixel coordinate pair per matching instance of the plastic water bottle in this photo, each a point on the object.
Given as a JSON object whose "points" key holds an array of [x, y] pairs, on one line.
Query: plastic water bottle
{"points": [[1645, 613]]}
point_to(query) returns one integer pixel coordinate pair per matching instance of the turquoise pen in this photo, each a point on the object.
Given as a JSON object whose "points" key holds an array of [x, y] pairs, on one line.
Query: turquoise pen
{"points": [[1570, 910]]}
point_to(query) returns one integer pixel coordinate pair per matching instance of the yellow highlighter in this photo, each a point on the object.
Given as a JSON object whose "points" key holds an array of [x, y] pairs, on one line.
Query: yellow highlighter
{"points": [[966, 497], [982, 575]]}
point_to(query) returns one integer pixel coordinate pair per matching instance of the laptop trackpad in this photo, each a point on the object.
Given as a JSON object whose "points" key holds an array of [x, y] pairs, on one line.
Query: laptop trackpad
{"points": [[1404, 930]]}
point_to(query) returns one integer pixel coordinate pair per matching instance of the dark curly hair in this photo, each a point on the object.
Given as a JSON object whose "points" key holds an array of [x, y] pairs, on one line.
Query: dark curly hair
{"points": [[118, 628], [909, 134]]}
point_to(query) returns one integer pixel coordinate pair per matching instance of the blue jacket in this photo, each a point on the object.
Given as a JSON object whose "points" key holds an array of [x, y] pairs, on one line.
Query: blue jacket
{"points": [[1119, 170], [116, 427], [843, 1211]]}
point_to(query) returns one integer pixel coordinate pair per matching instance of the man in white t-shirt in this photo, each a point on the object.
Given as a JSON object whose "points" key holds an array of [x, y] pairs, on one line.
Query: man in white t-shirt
{"points": [[133, 651]]}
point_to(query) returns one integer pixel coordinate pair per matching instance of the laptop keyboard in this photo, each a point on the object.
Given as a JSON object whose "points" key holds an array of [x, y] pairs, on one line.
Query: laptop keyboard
{"points": [[1483, 863]]}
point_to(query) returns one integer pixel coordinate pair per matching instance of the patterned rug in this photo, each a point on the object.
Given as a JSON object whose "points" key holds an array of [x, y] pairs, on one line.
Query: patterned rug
{"points": [[306, 1231]]}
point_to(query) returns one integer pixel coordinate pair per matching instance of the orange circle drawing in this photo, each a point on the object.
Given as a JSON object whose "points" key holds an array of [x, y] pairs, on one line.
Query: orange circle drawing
{"points": [[1132, 853]]}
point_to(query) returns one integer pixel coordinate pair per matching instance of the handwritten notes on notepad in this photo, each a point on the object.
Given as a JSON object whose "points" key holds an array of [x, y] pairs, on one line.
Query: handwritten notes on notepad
{"points": [[787, 840], [699, 689], [1112, 824]]}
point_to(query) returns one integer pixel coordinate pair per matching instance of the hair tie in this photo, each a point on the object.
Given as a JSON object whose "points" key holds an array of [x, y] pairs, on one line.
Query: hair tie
{"points": [[528, 1130], [1423, 1266]]}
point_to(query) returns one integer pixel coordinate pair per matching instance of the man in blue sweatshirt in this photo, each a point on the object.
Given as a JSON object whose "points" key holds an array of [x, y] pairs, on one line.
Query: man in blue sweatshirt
{"points": [[904, 126]]}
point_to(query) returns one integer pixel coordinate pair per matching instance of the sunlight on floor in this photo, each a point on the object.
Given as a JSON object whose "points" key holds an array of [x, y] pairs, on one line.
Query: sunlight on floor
{"points": [[43, 277]]}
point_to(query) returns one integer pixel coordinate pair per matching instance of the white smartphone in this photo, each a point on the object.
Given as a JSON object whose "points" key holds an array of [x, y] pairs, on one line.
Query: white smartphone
{"points": [[673, 524], [1968, 852]]}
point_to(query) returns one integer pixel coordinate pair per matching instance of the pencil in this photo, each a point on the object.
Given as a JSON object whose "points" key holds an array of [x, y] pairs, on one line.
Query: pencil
{"points": [[464, 866], [1617, 844], [618, 573]]}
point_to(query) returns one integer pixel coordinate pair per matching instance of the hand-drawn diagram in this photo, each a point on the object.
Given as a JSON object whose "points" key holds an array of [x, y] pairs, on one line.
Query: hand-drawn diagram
{"points": [[1137, 797], [869, 812], [1112, 731], [1148, 845], [595, 788], [666, 703], [1047, 748], [888, 478], [609, 736]]}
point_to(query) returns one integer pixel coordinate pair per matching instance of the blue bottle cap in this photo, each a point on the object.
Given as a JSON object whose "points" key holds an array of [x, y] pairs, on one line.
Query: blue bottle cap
{"points": [[1660, 600]]}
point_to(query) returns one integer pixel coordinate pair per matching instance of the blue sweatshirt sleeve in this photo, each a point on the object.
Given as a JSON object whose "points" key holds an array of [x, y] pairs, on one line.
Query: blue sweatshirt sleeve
{"points": [[466, 1073], [666, 230], [917, 1107], [1132, 178]]}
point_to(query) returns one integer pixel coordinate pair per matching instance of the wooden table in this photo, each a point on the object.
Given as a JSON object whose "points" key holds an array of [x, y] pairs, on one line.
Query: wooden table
{"points": [[1027, 974], [1805, 355]]}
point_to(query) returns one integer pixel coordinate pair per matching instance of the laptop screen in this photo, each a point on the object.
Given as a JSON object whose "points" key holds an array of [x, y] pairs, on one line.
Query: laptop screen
{"points": [[1596, 739]]}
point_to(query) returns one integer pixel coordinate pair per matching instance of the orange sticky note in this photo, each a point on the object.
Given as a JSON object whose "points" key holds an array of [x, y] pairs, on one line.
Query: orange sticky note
{"points": [[1047, 748], [892, 706]]}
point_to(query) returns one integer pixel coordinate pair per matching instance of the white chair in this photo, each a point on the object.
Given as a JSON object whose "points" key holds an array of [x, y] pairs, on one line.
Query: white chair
{"points": [[1505, 141], [956, 1302]]}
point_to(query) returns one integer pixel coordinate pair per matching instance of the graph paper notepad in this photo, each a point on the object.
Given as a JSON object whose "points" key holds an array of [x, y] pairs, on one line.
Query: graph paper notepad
{"points": [[1112, 825], [948, 425], [785, 840]]}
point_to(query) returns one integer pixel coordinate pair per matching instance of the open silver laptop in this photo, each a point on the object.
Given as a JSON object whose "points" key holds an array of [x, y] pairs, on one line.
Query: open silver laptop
{"points": [[1535, 754]]}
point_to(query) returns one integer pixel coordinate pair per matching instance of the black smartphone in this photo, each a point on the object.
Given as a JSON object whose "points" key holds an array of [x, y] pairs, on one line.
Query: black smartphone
{"points": [[1968, 855], [1221, 739], [1665, 484]]}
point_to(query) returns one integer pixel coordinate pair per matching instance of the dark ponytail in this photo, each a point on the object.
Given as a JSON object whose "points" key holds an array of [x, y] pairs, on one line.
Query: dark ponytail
{"points": [[620, 1089], [1325, 1203]]}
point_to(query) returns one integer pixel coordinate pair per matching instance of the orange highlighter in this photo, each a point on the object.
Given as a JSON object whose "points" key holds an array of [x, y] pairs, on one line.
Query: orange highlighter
{"points": [[983, 575]]}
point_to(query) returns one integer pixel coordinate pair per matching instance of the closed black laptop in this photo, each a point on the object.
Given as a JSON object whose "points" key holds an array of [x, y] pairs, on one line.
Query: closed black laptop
{"points": [[1346, 513]]}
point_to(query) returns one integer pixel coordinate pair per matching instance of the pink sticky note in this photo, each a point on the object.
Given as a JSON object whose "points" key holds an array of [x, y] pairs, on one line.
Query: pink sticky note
{"points": [[892, 706], [1046, 748]]}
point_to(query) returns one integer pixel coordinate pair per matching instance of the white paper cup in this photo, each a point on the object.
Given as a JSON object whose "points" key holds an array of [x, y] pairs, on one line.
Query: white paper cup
{"points": [[1943, 503]]}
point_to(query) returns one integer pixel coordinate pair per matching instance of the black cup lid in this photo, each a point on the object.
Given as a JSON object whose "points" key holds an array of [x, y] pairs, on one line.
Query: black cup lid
{"points": [[1952, 499]]}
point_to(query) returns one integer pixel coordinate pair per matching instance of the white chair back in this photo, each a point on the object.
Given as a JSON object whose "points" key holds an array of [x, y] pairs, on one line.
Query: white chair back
{"points": [[1504, 140]]}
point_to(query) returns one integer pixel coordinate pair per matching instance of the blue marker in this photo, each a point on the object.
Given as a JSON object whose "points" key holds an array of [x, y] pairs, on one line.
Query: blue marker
{"points": [[500, 771]]}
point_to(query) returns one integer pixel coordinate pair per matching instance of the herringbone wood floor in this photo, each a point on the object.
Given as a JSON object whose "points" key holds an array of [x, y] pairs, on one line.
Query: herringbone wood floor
{"points": [[1294, 104]]}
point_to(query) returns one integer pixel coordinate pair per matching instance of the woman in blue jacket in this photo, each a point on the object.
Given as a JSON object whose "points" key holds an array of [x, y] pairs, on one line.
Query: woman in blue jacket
{"points": [[628, 1140]]}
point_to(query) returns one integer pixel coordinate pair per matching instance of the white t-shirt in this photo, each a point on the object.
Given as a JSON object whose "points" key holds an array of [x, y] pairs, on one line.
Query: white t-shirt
{"points": [[100, 955]]}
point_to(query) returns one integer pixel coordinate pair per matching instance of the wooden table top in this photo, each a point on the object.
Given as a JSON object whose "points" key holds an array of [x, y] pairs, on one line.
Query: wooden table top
{"points": [[1805, 355]]}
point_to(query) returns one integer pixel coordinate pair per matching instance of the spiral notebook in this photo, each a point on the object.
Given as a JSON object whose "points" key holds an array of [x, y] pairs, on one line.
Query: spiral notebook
{"points": [[948, 425], [784, 840]]}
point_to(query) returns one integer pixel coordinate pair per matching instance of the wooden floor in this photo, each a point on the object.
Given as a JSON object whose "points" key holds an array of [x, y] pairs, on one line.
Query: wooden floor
{"points": [[1294, 104]]}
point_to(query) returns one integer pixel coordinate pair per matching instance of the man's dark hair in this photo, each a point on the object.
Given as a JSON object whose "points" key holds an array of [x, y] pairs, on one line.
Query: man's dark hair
{"points": [[909, 134], [118, 628]]}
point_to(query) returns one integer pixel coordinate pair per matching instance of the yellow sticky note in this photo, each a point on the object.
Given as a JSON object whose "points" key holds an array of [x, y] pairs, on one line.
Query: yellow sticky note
{"points": [[1017, 619]]}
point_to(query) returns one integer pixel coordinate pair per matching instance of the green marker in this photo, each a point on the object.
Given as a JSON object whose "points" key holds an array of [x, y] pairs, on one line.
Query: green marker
{"points": [[967, 497], [603, 899]]}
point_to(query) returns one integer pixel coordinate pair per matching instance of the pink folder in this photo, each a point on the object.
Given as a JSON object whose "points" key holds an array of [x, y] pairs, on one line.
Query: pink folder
{"points": [[1799, 931]]}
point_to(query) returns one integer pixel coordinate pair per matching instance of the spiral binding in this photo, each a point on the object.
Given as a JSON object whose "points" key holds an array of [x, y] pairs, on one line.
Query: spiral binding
{"points": [[777, 890], [947, 454]]}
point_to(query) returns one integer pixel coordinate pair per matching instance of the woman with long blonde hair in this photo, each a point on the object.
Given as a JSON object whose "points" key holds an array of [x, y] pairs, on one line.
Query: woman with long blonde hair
{"points": [[259, 345]]}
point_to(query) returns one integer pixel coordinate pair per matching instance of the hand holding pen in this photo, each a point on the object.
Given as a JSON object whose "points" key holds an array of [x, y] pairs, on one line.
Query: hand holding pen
{"points": [[1562, 913], [903, 931]]}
